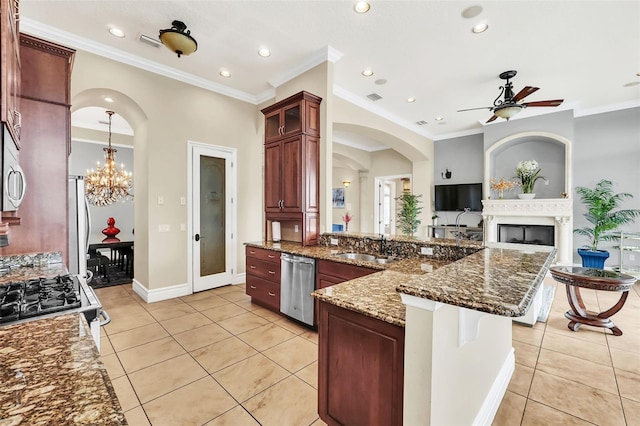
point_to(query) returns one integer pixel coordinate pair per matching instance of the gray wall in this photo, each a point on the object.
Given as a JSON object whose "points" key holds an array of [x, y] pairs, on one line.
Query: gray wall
{"points": [[604, 146], [84, 155]]}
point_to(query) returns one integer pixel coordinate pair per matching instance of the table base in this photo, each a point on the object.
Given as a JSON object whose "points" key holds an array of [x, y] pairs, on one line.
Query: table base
{"points": [[579, 315]]}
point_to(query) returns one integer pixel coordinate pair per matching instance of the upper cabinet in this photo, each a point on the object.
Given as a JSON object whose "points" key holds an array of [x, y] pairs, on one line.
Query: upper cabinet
{"points": [[299, 113], [10, 68], [292, 155]]}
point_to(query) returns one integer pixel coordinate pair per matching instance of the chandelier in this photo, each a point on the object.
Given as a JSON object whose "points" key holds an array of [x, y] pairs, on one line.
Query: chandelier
{"points": [[107, 184]]}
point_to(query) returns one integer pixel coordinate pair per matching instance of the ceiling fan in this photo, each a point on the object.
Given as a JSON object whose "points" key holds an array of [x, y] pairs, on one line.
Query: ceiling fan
{"points": [[511, 104]]}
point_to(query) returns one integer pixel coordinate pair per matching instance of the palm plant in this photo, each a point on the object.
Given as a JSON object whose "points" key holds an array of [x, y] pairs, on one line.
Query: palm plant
{"points": [[601, 202], [409, 209]]}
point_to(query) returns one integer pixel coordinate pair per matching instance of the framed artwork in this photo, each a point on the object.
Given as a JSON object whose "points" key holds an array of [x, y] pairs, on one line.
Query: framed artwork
{"points": [[338, 198]]}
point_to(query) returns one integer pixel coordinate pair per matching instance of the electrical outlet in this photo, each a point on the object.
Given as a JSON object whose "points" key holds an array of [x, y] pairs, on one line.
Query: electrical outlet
{"points": [[426, 250], [632, 257], [160, 200], [164, 228], [334, 241], [183, 201], [295, 228]]}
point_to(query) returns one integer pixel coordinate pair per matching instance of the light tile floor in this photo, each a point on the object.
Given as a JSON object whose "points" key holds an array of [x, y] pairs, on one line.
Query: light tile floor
{"points": [[214, 358]]}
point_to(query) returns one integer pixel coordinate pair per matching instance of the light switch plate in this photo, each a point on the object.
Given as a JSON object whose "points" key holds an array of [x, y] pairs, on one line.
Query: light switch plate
{"points": [[160, 200], [183, 201], [426, 250], [183, 227], [296, 228], [164, 228]]}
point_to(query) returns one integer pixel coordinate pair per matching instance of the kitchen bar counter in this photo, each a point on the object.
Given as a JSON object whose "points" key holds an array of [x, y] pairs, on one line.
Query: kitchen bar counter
{"points": [[50, 373]]}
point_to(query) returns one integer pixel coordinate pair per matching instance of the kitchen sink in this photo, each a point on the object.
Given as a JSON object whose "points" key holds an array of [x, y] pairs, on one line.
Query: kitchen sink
{"points": [[357, 256], [366, 257]]}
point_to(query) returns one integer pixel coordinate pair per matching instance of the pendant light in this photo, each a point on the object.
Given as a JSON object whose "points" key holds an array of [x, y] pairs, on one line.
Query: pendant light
{"points": [[107, 184]]}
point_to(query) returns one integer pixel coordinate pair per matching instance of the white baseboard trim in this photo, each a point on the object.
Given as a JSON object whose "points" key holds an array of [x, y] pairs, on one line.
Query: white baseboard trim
{"points": [[164, 293], [240, 278], [492, 402]]}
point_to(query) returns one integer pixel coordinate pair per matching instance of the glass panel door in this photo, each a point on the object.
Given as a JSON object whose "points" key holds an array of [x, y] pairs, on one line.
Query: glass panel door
{"points": [[212, 215]]}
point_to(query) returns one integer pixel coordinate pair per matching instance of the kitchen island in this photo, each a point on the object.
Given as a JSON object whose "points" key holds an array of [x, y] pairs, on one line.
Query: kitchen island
{"points": [[451, 337], [50, 373]]}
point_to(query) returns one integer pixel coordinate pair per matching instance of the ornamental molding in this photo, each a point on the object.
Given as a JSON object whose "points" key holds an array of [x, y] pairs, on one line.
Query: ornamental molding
{"points": [[551, 207]]}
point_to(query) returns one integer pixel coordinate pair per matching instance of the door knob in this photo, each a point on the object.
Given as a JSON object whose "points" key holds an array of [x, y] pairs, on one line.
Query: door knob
{"points": [[197, 238]]}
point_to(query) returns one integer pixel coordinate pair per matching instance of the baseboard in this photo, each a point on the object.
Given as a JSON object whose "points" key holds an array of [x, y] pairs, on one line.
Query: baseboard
{"points": [[492, 402], [164, 293], [239, 278]]}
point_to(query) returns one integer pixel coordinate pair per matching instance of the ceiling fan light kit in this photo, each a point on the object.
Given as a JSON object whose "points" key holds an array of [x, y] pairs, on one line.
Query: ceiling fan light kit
{"points": [[178, 39], [510, 105]]}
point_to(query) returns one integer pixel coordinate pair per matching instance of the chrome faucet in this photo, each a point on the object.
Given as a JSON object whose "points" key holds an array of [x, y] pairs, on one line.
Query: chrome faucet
{"points": [[462, 213]]}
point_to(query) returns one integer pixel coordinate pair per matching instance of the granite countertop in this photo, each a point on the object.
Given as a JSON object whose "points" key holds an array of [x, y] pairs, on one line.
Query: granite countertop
{"points": [[50, 373], [21, 273], [420, 265], [500, 279]]}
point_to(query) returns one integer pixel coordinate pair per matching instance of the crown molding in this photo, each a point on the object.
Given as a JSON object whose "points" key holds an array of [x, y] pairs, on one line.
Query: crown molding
{"points": [[323, 55], [607, 108], [65, 38]]}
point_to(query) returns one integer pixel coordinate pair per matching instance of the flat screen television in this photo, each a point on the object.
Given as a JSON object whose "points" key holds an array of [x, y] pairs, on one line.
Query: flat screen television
{"points": [[458, 197]]}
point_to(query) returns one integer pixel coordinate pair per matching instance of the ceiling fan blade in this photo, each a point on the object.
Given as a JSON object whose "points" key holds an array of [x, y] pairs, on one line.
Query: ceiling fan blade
{"points": [[473, 109], [493, 117], [550, 103], [526, 91]]}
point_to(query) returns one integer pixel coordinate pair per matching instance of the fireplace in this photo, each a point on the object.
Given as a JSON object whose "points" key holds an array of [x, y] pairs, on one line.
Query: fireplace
{"points": [[551, 217], [526, 234]]}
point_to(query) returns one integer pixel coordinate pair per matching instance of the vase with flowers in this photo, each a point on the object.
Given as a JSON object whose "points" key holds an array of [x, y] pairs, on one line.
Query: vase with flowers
{"points": [[501, 186], [528, 172], [346, 218]]}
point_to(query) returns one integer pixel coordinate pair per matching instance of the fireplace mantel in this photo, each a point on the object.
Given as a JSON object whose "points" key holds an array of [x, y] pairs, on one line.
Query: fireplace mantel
{"points": [[545, 211]]}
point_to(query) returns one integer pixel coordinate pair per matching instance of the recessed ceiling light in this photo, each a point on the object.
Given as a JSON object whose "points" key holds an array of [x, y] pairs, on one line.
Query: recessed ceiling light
{"points": [[480, 28], [472, 11], [108, 99], [439, 118], [362, 7], [116, 32], [380, 81], [367, 72], [411, 100], [264, 52], [225, 73]]}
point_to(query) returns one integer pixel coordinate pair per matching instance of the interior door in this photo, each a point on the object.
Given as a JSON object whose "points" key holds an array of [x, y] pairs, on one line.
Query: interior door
{"points": [[213, 216]]}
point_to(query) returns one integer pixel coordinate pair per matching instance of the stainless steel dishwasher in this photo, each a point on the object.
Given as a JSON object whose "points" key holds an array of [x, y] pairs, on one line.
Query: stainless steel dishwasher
{"points": [[297, 282]]}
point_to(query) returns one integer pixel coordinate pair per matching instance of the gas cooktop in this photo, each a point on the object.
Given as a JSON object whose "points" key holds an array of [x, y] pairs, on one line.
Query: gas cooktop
{"points": [[36, 297]]}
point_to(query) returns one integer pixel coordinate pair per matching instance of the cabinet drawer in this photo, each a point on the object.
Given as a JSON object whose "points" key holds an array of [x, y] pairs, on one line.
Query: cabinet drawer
{"points": [[267, 270], [268, 255], [264, 292], [342, 270]]}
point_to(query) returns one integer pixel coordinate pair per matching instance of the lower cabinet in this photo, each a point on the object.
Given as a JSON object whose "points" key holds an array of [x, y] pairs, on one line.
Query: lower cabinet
{"points": [[263, 277], [360, 368]]}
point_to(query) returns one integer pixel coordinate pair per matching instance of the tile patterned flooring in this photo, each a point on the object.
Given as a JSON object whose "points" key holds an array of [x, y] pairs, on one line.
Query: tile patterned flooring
{"points": [[214, 358]]}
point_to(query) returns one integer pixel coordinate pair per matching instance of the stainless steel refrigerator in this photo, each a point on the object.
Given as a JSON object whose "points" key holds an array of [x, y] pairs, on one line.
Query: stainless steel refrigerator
{"points": [[79, 226]]}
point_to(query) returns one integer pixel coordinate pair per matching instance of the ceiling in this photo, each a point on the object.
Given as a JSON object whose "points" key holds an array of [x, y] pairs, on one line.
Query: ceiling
{"points": [[587, 52]]}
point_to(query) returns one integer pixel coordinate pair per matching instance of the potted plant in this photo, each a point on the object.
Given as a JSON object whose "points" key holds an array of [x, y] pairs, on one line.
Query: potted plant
{"points": [[408, 211], [528, 172], [601, 202]]}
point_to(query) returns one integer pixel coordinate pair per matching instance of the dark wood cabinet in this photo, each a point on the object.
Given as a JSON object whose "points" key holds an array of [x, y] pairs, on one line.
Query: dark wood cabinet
{"points": [[360, 368], [46, 141], [10, 66], [292, 155], [263, 277]]}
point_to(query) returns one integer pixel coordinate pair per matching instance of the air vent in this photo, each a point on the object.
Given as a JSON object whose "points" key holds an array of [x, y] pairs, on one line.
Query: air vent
{"points": [[374, 97], [421, 123], [149, 40]]}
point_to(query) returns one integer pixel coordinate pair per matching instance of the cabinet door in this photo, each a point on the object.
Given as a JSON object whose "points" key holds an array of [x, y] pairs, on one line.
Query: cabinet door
{"points": [[273, 125], [272, 180], [292, 119], [292, 175]]}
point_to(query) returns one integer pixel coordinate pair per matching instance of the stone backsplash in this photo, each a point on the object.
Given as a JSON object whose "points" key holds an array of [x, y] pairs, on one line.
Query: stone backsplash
{"points": [[399, 246]]}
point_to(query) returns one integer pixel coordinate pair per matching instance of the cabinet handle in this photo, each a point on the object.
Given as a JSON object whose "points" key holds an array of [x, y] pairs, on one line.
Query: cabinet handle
{"points": [[271, 273], [252, 287], [270, 256], [252, 252], [271, 294], [18, 120], [252, 267]]}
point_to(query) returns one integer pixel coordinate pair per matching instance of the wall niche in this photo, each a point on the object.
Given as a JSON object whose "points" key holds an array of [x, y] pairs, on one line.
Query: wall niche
{"points": [[552, 152]]}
